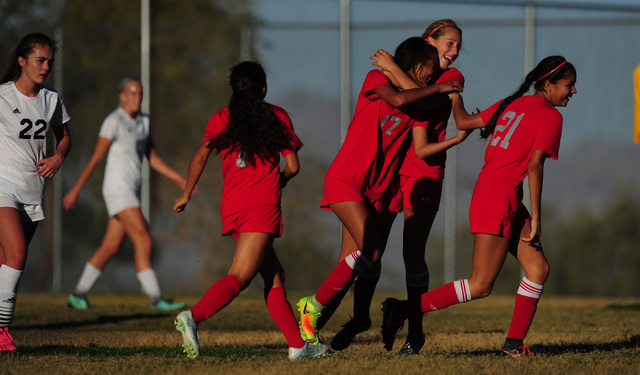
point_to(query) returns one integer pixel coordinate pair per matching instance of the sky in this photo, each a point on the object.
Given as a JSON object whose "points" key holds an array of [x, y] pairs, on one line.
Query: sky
{"points": [[299, 46]]}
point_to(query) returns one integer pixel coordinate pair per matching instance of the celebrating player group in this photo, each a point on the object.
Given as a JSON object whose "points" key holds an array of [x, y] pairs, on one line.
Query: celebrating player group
{"points": [[392, 160]]}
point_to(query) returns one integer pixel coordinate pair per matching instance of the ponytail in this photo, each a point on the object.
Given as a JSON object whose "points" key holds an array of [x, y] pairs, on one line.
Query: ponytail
{"points": [[254, 130], [552, 69]]}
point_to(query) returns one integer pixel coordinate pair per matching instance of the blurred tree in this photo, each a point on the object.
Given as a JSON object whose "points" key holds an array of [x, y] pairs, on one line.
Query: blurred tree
{"points": [[596, 251]]}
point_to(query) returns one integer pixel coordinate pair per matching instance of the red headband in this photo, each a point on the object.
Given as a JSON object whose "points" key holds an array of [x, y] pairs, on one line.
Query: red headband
{"points": [[557, 67], [436, 29]]}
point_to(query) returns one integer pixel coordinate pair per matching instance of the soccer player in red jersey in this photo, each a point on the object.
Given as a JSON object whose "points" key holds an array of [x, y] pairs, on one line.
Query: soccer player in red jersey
{"points": [[421, 181], [523, 131], [250, 136], [418, 196], [359, 182]]}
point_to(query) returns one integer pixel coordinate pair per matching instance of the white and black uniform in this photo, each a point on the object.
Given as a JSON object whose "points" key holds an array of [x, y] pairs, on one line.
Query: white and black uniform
{"points": [[123, 171], [24, 125]]}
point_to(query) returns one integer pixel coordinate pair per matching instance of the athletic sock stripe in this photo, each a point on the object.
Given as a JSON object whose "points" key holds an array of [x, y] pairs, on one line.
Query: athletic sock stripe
{"points": [[417, 280], [462, 290], [530, 289]]}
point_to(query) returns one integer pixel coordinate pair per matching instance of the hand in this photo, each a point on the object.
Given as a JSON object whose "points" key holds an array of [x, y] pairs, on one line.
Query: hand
{"points": [[180, 203], [49, 167], [536, 232], [463, 134], [69, 200], [383, 60], [449, 86]]}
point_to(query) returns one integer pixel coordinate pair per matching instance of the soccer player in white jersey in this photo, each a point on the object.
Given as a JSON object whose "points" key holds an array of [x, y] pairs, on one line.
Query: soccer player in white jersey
{"points": [[28, 110], [125, 138]]}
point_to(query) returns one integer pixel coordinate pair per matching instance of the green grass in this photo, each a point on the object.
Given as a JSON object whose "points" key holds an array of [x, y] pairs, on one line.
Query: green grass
{"points": [[120, 334]]}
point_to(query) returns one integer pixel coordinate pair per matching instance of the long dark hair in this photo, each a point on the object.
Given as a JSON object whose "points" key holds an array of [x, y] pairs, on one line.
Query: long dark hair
{"points": [[552, 69], [254, 130], [24, 48], [413, 52]]}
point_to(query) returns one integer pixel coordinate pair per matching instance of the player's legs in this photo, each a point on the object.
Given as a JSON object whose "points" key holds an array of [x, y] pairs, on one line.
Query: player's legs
{"points": [[14, 238], [275, 296], [536, 267], [489, 254], [111, 243], [136, 228], [362, 227], [347, 246], [366, 283], [417, 226], [250, 253], [356, 218]]}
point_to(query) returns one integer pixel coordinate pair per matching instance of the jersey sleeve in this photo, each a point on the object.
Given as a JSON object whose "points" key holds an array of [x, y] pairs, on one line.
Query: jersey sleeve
{"points": [[488, 113], [109, 128], [216, 124], [60, 116], [375, 78], [549, 134], [295, 144], [451, 74]]}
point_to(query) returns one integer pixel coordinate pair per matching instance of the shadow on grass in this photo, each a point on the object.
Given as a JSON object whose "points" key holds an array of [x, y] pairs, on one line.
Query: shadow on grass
{"points": [[556, 350], [99, 351], [102, 319]]}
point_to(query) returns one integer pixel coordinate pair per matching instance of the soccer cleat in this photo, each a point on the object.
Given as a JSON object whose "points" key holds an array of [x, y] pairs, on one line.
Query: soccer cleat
{"points": [[165, 305], [308, 351], [520, 351], [6, 340], [310, 310], [345, 336], [413, 344], [78, 303], [394, 313], [190, 337]]}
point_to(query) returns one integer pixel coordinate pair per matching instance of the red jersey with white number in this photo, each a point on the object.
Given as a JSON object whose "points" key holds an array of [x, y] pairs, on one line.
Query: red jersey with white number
{"points": [[375, 143], [245, 186], [433, 166], [529, 123]]}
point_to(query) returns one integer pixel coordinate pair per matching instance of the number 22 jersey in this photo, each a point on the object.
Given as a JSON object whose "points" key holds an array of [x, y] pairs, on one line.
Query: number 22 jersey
{"points": [[24, 124]]}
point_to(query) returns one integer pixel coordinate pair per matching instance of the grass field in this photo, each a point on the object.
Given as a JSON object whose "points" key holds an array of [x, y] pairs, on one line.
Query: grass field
{"points": [[120, 334]]}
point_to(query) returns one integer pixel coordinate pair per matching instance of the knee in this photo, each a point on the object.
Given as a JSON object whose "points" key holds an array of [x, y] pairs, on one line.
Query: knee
{"points": [[480, 289], [538, 273]]}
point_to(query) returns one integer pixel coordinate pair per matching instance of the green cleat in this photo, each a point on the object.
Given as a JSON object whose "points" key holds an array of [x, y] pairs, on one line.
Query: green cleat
{"points": [[190, 337], [310, 310], [78, 303], [164, 305]]}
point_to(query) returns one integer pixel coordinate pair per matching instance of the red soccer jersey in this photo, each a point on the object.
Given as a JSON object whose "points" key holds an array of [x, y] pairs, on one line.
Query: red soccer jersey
{"points": [[375, 143], [245, 186], [432, 167], [529, 123]]}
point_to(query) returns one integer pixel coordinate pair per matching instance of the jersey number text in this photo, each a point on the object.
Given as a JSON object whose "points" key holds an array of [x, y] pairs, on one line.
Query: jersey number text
{"points": [[509, 116], [39, 131]]}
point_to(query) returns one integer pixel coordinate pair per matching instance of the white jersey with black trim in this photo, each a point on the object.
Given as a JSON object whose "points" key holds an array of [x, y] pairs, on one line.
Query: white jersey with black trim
{"points": [[129, 136], [24, 125]]}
